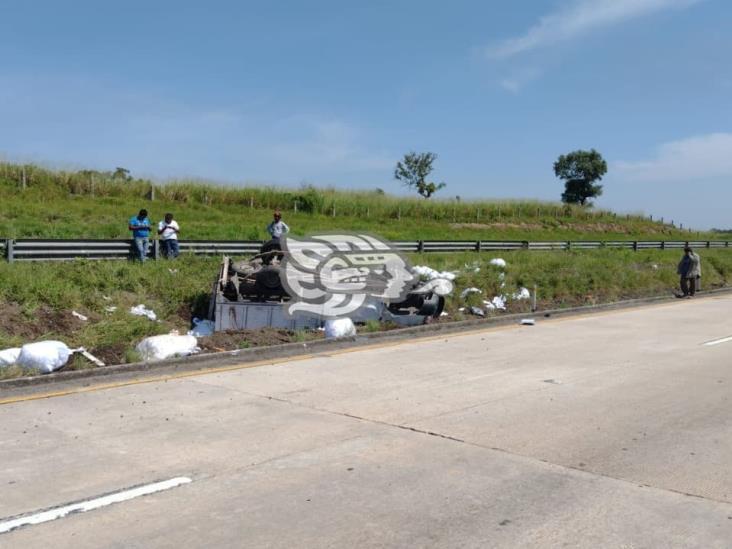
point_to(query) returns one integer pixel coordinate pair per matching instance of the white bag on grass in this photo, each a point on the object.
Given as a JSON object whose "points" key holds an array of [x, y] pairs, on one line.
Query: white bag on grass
{"points": [[167, 346], [44, 356], [8, 357], [339, 327]]}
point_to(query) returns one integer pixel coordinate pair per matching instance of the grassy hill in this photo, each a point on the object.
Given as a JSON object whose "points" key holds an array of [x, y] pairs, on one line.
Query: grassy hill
{"points": [[37, 299], [91, 204]]}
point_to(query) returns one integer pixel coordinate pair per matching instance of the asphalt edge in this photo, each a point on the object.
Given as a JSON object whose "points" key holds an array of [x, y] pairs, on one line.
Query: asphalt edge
{"points": [[278, 352]]}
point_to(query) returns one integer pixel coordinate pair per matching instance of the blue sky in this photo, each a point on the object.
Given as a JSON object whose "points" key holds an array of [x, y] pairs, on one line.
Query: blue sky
{"points": [[334, 93]]}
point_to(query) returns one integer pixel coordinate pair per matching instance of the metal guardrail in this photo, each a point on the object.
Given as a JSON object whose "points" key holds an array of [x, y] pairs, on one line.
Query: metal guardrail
{"points": [[27, 249]]}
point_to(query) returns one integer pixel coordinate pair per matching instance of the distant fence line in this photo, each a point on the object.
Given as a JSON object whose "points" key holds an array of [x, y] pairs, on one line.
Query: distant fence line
{"points": [[63, 250]]}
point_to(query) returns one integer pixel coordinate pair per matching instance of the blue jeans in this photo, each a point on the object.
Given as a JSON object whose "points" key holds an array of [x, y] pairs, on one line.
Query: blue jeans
{"points": [[169, 248], [141, 246]]}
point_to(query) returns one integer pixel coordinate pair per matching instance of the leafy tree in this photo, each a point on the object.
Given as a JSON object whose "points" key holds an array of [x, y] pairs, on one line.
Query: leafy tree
{"points": [[413, 170], [121, 173], [580, 171]]}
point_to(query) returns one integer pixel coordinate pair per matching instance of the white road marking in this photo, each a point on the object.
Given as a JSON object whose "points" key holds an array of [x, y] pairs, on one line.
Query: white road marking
{"points": [[89, 505], [718, 341]]}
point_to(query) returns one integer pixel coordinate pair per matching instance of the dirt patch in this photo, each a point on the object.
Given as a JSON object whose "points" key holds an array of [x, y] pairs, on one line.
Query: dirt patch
{"points": [[43, 321], [111, 354], [244, 339]]}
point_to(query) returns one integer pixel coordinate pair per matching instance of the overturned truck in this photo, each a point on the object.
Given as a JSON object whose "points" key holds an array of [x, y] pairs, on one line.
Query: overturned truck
{"points": [[249, 294]]}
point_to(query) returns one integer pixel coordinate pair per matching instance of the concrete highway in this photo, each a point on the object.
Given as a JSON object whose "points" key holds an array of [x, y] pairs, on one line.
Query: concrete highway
{"points": [[605, 430]]}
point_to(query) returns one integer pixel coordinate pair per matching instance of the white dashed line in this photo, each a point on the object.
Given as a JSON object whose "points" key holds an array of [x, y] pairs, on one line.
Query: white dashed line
{"points": [[718, 341], [90, 505]]}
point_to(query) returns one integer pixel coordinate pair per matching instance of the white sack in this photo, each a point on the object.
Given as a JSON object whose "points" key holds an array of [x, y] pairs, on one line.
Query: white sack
{"points": [[44, 356], [468, 291], [523, 293], [498, 262], [339, 327], [8, 357], [166, 346], [141, 310], [428, 273]]}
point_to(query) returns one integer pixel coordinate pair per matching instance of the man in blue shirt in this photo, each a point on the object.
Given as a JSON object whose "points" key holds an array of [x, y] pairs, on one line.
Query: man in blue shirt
{"points": [[140, 227]]}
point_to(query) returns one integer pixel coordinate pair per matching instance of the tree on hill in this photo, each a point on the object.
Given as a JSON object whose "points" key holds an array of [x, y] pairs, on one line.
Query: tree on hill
{"points": [[121, 173], [580, 170], [413, 170]]}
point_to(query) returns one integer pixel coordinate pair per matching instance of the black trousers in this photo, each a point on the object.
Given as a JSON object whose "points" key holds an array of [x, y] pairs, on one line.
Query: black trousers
{"points": [[688, 285]]}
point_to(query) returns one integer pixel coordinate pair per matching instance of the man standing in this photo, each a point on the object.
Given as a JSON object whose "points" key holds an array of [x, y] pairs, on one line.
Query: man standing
{"points": [[168, 230], [277, 227], [140, 227], [689, 270]]}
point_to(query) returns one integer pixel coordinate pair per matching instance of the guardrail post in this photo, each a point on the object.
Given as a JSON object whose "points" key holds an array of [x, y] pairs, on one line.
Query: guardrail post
{"points": [[477, 246], [635, 245], [663, 245], [9, 250], [709, 244], [569, 245], [525, 245], [420, 246]]}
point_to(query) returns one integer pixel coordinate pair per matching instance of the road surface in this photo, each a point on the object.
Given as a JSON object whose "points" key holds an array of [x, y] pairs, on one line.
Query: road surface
{"points": [[606, 430]]}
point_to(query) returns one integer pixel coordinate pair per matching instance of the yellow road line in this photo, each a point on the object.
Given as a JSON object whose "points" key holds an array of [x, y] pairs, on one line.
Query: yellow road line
{"points": [[325, 353]]}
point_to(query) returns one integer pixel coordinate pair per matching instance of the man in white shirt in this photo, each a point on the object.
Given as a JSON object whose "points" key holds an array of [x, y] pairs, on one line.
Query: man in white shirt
{"points": [[277, 227], [168, 230]]}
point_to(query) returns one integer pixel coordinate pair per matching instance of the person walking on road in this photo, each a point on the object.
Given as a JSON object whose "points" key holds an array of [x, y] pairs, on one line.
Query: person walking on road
{"points": [[140, 227], [277, 227], [689, 270], [168, 230]]}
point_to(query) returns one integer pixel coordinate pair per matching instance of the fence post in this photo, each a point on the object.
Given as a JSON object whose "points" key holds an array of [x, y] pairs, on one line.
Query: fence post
{"points": [[477, 246], [23, 179], [156, 249], [635, 245], [420, 246], [152, 193], [9, 250]]}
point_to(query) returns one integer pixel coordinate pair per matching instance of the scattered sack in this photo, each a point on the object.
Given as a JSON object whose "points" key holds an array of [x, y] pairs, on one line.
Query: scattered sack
{"points": [[8, 357], [201, 328], [79, 316], [497, 303], [477, 311], [428, 273], [339, 327], [166, 346], [44, 356], [110, 309], [141, 310], [468, 291], [528, 321], [498, 262], [523, 293]]}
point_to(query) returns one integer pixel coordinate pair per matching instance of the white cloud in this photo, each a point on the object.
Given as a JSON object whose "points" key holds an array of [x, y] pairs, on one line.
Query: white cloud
{"points": [[700, 158], [516, 81], [580, 17]]}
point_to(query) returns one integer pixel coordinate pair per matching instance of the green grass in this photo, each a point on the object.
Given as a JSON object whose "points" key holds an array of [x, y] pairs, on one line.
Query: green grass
{"points": [[37, 299], [58, 204]]}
